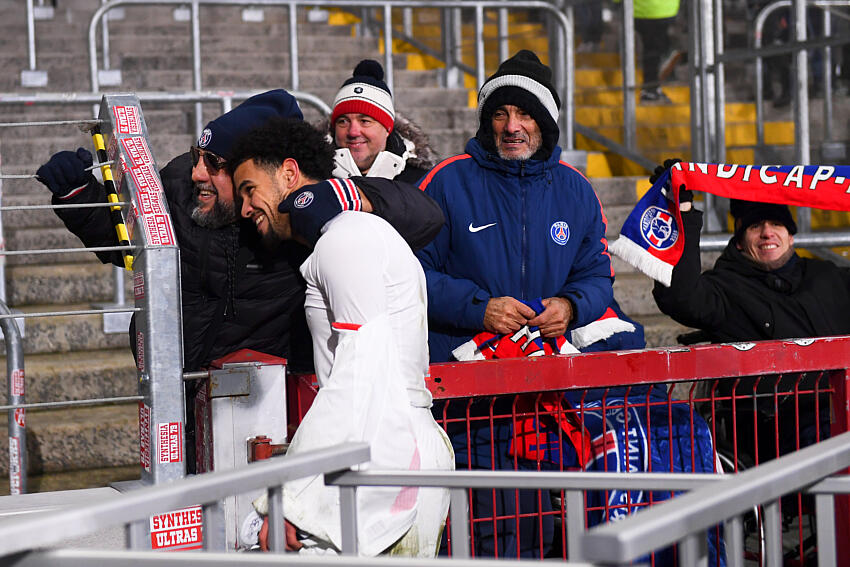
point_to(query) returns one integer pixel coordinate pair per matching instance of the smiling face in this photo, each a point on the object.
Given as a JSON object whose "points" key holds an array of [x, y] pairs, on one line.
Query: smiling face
{"points": [[213, 197], [364, 137], [515, 132], [767, 243], [261, 191]]}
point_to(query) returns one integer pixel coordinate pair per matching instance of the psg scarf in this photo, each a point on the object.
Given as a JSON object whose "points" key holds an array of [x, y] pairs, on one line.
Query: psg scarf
{"points": [[652, 239]]}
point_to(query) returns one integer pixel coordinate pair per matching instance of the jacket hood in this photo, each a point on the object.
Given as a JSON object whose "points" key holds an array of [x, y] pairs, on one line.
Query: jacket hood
{"points": [[490, 160], [422, 155]]}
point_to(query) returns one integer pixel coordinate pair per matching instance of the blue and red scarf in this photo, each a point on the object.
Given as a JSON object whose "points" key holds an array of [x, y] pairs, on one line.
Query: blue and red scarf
{"points": [[652, 239]]}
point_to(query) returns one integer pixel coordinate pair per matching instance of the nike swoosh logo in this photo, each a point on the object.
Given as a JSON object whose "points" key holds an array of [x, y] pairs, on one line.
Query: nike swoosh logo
{"points": [[477, 228]]}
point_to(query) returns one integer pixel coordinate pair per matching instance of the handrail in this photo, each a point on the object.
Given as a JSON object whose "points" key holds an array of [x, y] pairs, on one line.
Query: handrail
{"points": [[15, 392], [205, 490], [563, 69], [684, 519]]}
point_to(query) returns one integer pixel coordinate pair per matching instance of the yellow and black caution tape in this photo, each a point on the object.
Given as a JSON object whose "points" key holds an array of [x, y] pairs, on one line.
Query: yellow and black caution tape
{"points": [[112, 197]]}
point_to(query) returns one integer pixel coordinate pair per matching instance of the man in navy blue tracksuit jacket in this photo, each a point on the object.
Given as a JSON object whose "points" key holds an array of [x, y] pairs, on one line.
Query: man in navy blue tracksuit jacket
{"points": [[520, 225]]}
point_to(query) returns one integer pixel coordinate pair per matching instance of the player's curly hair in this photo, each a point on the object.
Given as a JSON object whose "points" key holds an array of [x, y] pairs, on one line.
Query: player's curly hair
{"points": [[282, 138]]}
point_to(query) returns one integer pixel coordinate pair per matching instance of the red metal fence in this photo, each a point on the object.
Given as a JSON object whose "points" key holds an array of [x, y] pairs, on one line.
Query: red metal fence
{"points": [[676, 409]]}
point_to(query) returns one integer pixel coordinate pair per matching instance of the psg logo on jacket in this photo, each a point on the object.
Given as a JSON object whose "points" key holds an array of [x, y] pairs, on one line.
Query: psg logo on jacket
{"points": [[303, 200], [560, 232], [205, 138], [658, 228]]}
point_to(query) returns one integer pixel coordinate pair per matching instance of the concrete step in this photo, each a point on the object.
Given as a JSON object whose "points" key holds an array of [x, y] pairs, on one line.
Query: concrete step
{"points": [[67, 333], [634, 294], [312, 61], [83, 282], [84, 375], [77, 480], [80, 438], [615, 191]]}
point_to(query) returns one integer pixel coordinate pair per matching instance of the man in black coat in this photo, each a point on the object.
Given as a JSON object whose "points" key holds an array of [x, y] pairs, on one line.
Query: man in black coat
{"points": [[236, 293], [759, 288]]}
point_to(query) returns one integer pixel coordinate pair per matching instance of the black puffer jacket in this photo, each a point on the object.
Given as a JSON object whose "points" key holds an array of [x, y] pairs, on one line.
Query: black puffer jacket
{"points": [[235, 293], [738, 301]]}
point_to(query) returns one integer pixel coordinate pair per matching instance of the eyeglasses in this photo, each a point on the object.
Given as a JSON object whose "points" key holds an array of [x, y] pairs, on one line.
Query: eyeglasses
{"points": [[213, 163]]}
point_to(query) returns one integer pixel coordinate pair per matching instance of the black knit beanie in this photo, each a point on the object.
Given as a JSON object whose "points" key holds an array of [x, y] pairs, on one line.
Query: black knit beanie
{"points": [[525, 82], [748, 213]]}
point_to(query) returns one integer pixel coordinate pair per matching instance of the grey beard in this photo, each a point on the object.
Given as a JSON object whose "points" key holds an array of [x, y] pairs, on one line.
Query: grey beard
{"points": [[220, 215]]}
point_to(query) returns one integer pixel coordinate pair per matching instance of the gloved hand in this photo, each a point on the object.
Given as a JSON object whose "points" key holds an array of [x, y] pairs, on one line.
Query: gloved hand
{"points": [[685, 194], [311, 206], [66, 171]]}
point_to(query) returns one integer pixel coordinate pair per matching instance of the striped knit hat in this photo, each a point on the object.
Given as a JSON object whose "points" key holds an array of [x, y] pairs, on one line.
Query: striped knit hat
{"points": [[525, 82], [366, 93]]}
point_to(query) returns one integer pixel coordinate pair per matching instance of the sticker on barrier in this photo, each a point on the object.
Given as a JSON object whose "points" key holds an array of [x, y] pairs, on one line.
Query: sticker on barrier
{"points": [[180, 530], [145, 436], [14, 466], [170, 442], [18, 383], [127, 120]]}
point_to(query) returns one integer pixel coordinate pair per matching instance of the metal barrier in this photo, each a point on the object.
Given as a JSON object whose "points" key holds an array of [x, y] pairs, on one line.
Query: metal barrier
{"points": [[683, 520], [15, 386], [562, 66], [133, 509], [149, 248], [115, 310], [755, 401]]}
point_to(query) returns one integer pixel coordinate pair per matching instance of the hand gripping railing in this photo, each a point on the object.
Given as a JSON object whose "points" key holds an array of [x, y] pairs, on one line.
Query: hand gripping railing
{"points": [[684, 519]]}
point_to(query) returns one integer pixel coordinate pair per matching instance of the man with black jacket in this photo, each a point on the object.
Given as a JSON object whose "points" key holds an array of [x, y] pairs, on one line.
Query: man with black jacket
{"points": [[759, 288], [236, 292]]}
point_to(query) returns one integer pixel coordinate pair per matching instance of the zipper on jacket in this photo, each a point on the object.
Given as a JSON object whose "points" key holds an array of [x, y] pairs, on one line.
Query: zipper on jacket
{"points": [[524, 239]]}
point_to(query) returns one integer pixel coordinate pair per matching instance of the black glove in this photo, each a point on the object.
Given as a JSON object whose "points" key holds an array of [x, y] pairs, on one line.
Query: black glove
{"points": [[66, 171], [685, 194]]}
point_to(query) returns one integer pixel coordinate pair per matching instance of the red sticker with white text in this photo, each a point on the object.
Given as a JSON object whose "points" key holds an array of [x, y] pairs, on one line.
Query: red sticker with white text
{"points": [[169, 442], [179, 530], [145, 436]]}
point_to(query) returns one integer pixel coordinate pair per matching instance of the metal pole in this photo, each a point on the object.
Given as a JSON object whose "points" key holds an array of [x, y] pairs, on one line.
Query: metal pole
{"points": [[757, 38], [196, 65], [293, 47], [388, 45], [16, 391], [31, 35], [503, 34], [719, 86], [407, 21], [104, 37], [479, 47], [827, 76], [568, 108], [801, 117], [695, 80], [628, 65]]}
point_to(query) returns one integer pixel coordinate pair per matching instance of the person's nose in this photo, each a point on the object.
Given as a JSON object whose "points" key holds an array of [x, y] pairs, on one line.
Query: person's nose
{"points": [[513, 124], [353, 130], [247, 209], [200, 173]]}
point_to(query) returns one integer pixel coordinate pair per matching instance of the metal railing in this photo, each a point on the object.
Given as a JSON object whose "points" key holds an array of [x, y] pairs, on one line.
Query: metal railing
{"points": [[153, 256], [133, 509], [562, 65], [224, 99], [684, 520]]}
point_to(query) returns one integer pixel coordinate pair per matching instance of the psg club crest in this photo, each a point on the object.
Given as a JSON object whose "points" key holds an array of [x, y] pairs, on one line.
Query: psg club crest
{"points": [[303, 200], [658, 228], [205, 138], [560, 232]]}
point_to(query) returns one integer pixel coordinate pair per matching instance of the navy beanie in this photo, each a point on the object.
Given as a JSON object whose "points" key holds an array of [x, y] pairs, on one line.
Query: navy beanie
{"points": [[525, 82], [748, 213], [219, 135]]}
